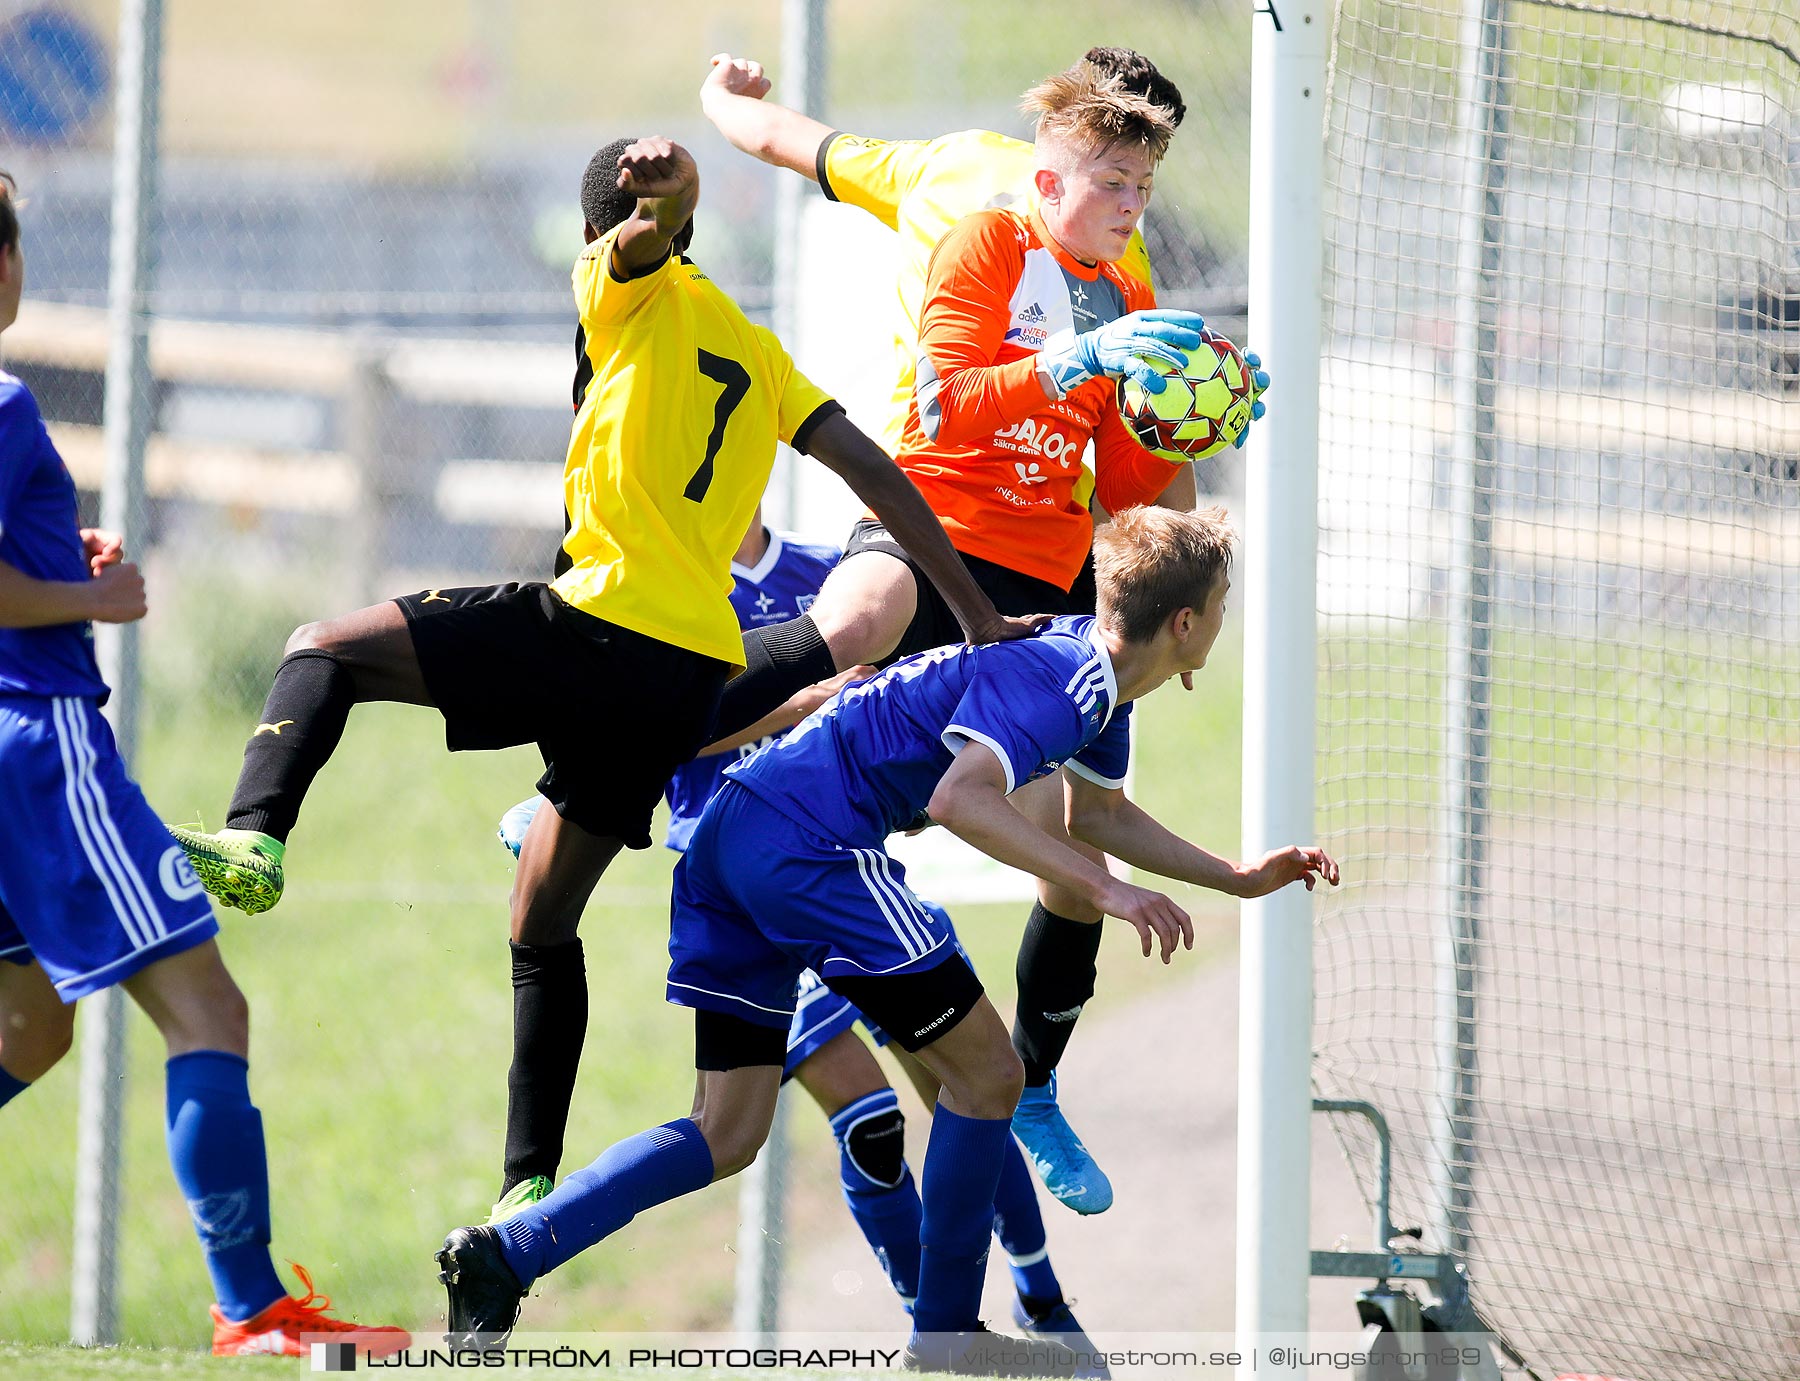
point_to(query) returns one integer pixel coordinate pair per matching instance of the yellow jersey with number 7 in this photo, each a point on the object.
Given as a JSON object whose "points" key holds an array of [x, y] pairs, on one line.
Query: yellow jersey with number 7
{"points": [[679, 402]]}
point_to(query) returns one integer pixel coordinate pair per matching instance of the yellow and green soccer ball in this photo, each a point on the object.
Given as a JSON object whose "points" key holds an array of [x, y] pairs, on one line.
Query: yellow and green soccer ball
{"points": [[1205, 408]]}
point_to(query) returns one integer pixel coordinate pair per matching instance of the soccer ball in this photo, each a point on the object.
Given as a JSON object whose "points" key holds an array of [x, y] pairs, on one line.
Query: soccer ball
{"points": [[1204, 409]]}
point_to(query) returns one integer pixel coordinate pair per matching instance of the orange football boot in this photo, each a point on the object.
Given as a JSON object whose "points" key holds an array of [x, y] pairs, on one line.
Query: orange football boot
{"points": [[289, 1327]]}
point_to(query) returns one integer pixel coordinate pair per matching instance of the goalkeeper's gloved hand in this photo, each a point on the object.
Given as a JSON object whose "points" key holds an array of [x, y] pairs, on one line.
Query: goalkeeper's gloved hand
{"points": [[1116, 347], [1259, 384]]}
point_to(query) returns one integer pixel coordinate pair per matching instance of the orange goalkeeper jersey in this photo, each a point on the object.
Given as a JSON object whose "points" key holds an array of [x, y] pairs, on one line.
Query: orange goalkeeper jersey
{"points": [[920, 188], [996, 460]]}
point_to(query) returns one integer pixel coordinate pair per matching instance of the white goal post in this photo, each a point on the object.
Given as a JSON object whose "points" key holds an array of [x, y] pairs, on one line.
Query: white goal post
{"points": [[1279, 544]]}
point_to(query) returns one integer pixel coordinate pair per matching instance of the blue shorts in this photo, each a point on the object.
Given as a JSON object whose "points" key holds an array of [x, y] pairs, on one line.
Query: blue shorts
{"points": [[92, 884], [759, 899]]}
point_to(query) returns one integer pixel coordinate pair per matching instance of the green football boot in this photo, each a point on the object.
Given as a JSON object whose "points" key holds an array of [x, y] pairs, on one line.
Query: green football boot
{"points": [[241, 868], [522, 1195]]}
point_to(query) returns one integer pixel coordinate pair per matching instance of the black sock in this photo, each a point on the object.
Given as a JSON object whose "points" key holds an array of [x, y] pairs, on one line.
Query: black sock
{"points": [[302, 721], [1055, 977], [779, 659], [550, 1010]]}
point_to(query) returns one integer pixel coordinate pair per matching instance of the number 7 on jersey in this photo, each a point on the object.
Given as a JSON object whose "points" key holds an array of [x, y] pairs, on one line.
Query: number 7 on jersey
{"points": [[734, 382]]}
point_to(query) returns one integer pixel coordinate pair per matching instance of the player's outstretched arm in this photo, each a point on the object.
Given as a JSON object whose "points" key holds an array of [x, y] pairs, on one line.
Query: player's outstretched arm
{"points": [[842, 447], [732, 98], [664, 178], [1109, 820], [786, 715], [970, 802], [115, 594]]}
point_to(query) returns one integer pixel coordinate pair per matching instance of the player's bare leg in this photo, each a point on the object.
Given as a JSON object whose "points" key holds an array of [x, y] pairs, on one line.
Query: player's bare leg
{"points": [[978, 1072], [328, 667], [840, 1072], [734, 1110], [559, 865], [981, 1078], [859, 617], [374, 646], [864, 607], [1055, 977], [36, 1027], [923, 1081], [192, 999]]}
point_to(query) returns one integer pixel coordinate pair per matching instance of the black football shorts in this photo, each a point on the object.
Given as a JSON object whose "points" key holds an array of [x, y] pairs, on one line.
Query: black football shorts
{"points": [[613, 712]]}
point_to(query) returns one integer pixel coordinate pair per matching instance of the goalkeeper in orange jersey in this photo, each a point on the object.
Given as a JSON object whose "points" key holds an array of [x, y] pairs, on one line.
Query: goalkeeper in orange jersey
{"points": [[919, 188], [1017, 321]]}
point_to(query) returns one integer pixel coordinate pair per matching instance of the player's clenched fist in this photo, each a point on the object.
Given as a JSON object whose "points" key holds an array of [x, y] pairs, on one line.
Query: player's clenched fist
{"points": [[656, 167], [116, 594], [1296, 863], [736, 77], [1155, 917]]}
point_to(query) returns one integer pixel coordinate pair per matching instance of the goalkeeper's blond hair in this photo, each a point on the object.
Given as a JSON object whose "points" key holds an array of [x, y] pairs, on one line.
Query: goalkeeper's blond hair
{"points": [[1091, 111], [1149, 562]]}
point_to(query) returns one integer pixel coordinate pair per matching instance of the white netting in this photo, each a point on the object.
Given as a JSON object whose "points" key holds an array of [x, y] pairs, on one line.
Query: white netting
{"points": [[1560, 672]]}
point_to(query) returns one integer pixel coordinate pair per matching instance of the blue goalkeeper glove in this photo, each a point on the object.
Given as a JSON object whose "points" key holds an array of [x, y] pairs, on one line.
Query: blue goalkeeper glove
{"points": [[1259, 383], [1121, 347]]}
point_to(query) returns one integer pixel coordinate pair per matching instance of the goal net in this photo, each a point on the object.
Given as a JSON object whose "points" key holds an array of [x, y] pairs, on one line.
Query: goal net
{"points": [[1559, 583]]}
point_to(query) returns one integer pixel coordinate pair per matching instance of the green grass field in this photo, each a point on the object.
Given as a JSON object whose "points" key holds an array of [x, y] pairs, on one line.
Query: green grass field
{"points": [[42, 1362]]}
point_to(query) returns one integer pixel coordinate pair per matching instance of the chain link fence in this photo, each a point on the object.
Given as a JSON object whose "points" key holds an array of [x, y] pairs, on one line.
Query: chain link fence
{"points": [[1559, 676], [361, 357]]}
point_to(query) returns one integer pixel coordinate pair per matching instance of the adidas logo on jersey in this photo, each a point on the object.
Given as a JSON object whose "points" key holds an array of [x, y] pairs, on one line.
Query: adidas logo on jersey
{"points": [[1028, 327]]}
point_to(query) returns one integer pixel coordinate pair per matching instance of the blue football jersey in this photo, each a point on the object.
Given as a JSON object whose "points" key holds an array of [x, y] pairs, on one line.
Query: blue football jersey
{"points": [[40, 535], [779, 587], [865, 763]]}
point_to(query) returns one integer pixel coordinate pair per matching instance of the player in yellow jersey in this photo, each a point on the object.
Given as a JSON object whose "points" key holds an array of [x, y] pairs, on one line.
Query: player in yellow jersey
{"points": [[681, 403]]}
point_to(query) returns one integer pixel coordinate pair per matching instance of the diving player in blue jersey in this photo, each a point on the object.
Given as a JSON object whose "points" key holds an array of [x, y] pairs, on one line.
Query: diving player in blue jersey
{"points": [[787, 871], [776, 578], [95, 892]]}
